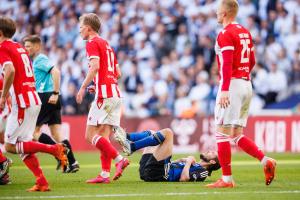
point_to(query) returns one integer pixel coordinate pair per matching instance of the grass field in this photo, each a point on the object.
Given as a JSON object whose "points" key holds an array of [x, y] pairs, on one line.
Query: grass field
{"points": [[248, 176]]}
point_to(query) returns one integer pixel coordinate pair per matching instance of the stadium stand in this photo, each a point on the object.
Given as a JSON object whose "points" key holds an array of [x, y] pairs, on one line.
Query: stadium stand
{"points": [[166, 50]]}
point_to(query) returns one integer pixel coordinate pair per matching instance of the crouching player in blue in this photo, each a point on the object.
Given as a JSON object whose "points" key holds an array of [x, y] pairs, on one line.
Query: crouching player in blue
{"points": [[156, 164]]}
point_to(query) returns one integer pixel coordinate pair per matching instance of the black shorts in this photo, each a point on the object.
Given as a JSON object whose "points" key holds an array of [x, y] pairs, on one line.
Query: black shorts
{"points": [[151, 169], [50, 114]]}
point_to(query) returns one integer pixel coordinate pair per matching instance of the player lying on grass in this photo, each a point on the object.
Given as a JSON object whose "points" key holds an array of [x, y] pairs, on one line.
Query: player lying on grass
{"points": [[156, 164]]}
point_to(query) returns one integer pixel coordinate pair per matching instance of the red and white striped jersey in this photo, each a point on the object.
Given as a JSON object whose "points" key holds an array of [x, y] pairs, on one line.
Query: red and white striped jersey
{"points": [[235, 54], [106, 80], [23, 91]]}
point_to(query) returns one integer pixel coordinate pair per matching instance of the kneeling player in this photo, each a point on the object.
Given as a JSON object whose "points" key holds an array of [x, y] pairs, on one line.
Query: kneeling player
{"points": [[156, 164]]}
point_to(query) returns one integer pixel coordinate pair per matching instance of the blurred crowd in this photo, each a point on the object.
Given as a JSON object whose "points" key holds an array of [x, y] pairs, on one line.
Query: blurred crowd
{"points": [[165, 49]]}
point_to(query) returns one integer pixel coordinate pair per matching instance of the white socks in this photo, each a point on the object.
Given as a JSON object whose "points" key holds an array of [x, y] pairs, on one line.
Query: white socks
{"points": [[227, 179], [105, 174], [118, 158]]}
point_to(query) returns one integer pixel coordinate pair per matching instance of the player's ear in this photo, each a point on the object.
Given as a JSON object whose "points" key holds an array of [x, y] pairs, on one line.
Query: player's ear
{"points": [[212, 162]]}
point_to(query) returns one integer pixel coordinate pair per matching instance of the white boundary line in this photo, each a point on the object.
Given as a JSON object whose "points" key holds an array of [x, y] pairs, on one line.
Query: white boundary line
{"points": [[148, 194]]}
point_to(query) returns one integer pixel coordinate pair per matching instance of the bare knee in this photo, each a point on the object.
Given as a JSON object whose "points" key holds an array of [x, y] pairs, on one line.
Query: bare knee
{"points": [[168, 133], [36, 134], [11, 148]]}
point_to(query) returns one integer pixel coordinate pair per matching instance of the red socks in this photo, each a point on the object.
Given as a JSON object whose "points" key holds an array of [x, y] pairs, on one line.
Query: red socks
{"points": [[224, 155], [105, 146], [33, 164], [105, 162], [250, 147], [2, 157], [34, 147]]}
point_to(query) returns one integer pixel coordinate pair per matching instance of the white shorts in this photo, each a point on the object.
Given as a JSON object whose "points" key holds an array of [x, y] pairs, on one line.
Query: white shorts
{"points": [[107, 111], [21, 124], [236, 114]]}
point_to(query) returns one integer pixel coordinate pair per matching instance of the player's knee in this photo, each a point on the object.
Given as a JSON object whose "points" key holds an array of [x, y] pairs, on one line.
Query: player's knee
{"points": [[159, 137], [168, 133], [10, 148]]}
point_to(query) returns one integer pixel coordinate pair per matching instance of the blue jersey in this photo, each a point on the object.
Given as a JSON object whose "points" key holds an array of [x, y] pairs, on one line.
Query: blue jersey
{"points": [[43, 77], [197, 172]]}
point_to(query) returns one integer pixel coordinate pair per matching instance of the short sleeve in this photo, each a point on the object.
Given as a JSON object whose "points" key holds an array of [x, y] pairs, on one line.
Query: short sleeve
{"points": [[4, 58], [42, 63], [92, 50], [225, 41]]}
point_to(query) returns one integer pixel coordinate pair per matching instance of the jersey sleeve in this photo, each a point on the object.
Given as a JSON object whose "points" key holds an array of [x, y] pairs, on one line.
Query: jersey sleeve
{"points": [[226, 43], [92, 50], [4, 58], [42, 63]]}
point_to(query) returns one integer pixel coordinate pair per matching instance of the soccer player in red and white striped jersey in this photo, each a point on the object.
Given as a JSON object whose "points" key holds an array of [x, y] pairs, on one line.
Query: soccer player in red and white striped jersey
{"points": [[26, 104], [105, 111], [235, 55]]}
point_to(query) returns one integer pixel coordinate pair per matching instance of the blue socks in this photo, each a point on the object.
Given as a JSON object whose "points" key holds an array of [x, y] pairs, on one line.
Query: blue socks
{"points": [[135, 136], [151, 140]]}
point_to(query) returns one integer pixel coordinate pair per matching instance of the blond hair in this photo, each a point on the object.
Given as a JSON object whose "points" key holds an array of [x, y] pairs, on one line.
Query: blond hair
{"points": [[92, 20], [231, 6]]}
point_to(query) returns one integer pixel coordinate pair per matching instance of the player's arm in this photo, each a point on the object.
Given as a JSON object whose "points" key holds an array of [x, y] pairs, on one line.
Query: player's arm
{"points": [[9, 75], [185, 174], [227, 48], [56, 83], [252, 59], [119, 73], [94, 67], [180, 160]]}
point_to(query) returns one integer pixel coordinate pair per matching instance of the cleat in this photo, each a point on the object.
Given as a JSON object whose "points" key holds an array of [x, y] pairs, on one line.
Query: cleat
{"points": [[4, 167], [220, 184], [61, 155], [39, 188], [98, 179], [120, 167], [120, 137], [72, 168], [41, 185], [269, 170]]}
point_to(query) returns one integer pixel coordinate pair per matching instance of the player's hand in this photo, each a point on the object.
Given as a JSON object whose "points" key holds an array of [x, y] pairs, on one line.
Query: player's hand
{"points": [[191, 159], [91, 89], [80, 95], [224, 99], [2, 103], [53, 99]]}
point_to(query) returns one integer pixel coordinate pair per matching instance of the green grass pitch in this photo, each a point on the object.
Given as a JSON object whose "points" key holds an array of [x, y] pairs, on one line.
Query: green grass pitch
{"points": [[248, 176]]}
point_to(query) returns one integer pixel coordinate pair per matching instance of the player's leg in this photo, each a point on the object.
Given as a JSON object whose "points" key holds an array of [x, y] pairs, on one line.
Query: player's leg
{"points": [[225, 118], [18, 140], [248, 146], [165, 149], [18, 136], [135, 136], [55, 130]]}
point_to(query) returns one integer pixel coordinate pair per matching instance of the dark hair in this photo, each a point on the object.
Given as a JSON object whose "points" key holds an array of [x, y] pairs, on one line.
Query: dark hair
{"points": [[35, 39], [7, 26], [213, 167]]}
